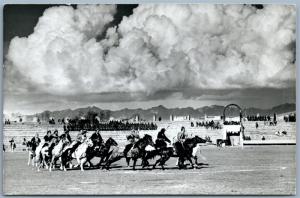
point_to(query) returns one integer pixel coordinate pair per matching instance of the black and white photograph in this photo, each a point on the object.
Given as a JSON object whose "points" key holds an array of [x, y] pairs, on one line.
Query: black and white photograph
{"points": [[149, 99]]}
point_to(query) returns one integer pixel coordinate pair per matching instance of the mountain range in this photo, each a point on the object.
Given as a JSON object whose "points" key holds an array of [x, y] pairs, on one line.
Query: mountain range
{"points": [[164, 113]]}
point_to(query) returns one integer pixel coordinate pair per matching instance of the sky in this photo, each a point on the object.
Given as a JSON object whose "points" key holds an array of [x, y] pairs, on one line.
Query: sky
{"points": [[140, 56]]}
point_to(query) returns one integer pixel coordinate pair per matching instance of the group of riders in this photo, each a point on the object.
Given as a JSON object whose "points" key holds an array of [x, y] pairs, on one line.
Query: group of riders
{"points": [[161, 144]]}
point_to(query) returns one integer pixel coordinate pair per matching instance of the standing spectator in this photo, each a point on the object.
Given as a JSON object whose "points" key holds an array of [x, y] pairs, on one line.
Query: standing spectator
{"points": [[256, 125], [24, 143], [12, 144], [192, 124]]}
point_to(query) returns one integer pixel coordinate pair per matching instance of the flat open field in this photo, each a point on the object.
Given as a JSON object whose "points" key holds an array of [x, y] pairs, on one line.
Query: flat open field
{"points": [[251, 170]]}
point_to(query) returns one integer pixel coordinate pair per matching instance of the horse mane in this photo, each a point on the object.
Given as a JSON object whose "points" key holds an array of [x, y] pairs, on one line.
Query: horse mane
{"points": [[189, 140], [147, 136], [109, 142], [138, 142]]}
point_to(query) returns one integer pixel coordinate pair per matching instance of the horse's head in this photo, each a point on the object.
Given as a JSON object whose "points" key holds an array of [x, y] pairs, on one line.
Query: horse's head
{"points": [[198, 139], [29, 146], [111, 142], [64, 140], [148, 140], [89, 142]]}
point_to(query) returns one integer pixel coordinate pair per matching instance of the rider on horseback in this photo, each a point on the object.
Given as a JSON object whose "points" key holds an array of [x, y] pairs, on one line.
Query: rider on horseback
{"points": [[55, 137], [132, 139], [96, 138], [67, 135], [81, 136], [181, 136], [53, 141], [47, 138], [35, 141], [161, 139]]}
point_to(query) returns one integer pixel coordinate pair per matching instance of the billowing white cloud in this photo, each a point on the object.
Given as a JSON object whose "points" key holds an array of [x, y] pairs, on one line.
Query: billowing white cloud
{"points": [[159, 47], [62, 54]]}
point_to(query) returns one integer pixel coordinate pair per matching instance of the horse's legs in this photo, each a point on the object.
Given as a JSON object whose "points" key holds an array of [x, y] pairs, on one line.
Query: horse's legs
{"points": [[33, 160], [134, 163], [39, 166], [191, 161], [51, 163], [78, 162], [180, 162], [100, 162], [29, 157], [82, 162], [145, 163], [111, 160], [157, 161], [45, 162], [61, 165], [162, 166], [163, 161], [127, 161], [196, 160]]}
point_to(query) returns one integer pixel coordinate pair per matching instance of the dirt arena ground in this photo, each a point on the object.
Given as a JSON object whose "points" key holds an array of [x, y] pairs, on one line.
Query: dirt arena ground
{"points": [[251, 170]]}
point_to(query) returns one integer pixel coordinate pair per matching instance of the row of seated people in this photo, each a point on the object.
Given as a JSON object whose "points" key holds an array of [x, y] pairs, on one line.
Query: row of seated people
{"points": [[110, 126], [207, 124], [259, 118]]}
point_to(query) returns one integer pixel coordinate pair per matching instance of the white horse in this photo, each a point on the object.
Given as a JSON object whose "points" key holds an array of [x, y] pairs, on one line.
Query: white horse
{"points": [[31, 157], [80, 154], [57, 151], [38, 156], [41, 153]]}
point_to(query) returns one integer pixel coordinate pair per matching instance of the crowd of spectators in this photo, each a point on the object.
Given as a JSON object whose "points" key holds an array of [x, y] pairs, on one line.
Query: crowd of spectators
{"points": [[207, 124], [232, 123], [290, 118], [108, 126], [259, 118], [7, 122]]}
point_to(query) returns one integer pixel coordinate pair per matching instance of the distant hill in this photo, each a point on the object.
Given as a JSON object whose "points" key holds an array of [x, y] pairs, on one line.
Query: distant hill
{"points": [[283, 108], [164, 113]]}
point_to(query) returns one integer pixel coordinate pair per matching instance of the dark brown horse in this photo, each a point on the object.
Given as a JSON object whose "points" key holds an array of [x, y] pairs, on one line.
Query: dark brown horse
{"points": [[185, 150], [101, 151], [137, 151], [164, 154]]}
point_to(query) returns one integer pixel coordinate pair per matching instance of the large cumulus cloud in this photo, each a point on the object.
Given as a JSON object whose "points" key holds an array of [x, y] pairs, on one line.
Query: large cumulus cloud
{"points": [[159, 47]]}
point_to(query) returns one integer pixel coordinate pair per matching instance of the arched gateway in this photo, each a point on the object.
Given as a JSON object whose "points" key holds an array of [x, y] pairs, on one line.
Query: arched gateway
{"points": [[235, 105], [233, 131]]}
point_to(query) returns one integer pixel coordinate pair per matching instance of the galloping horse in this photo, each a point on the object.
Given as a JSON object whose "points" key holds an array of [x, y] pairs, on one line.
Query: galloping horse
{"points": [[31, 154], [165, 153], [185, 150], [57, 151], [103, 151], [138, 150], [79, 154], [41, 155]]}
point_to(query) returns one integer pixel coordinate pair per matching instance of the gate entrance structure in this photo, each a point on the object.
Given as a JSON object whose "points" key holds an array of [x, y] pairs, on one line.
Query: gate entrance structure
{"points": [[233, 130]]}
